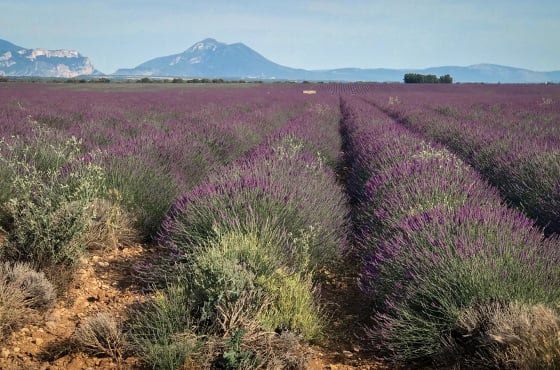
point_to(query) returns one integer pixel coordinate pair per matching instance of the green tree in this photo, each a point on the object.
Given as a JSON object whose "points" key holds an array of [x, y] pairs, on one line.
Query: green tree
{"points": [[446, 79]]}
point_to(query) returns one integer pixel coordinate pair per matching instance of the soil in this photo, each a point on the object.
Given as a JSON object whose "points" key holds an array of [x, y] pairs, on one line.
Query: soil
{"points": [[104, 282]]}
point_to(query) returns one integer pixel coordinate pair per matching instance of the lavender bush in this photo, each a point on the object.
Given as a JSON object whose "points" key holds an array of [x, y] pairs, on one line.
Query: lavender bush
{"points": [[440, 263], [427, 180]]}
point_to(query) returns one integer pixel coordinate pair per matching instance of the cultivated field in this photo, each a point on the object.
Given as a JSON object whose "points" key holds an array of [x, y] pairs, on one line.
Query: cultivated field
{"points": [[370, 226]]}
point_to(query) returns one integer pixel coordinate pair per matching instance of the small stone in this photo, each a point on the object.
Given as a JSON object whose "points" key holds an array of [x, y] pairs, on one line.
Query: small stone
{"points": [[347, 353], [103, 264], [356, 348], [15, 349], [50, 325], [37, 341], [5, 353]]}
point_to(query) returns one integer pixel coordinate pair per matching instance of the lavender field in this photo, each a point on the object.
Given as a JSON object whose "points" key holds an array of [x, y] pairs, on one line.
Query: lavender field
{"points": [[426, 216]]}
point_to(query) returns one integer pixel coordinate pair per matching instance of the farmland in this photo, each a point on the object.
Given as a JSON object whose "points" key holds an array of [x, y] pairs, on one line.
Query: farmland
{"points": [[173, 226]]}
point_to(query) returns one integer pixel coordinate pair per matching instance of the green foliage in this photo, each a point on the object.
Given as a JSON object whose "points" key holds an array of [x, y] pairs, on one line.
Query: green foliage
{"points": [[234, 357], [236, 283], [445, 79], [429, 78], [223, 272], [241, 263], [44, 211], [147, 191], [159, 329], [293, 305]]}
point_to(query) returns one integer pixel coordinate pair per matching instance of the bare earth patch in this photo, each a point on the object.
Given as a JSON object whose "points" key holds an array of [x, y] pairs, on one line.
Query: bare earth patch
{"points": [[103, 283]]}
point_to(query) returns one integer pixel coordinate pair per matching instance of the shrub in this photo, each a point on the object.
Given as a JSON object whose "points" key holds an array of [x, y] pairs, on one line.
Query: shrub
{"points": [[161, 330], [21, 290], [423, 182], [224, 271], [441, 262], [506, 336], [248, 267], [38, 292], [293, 305], [147, 191], [283, 188], [48, 219], [109, 225], [13, 311], [238, 281], [101, 335], [45, 216]]}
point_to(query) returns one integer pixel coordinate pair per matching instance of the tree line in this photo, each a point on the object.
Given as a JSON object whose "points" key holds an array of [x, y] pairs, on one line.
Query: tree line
{"points": [[427, 79]]}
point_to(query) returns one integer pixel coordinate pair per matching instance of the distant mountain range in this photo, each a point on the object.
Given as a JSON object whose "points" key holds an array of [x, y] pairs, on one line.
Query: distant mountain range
{"points": [[212, 59], [22, 62]]}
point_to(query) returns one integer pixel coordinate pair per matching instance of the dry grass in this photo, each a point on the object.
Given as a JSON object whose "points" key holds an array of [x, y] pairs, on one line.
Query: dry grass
{"points": [[101, 335], [110, 226], [12, 307], [241, 313], [3, 237], [37, 291], [268, 350], [508, 336], [22, 290]]}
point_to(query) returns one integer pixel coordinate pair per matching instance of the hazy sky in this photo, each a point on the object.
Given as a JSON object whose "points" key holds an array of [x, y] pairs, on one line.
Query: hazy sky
{"points": [[297, 33]]}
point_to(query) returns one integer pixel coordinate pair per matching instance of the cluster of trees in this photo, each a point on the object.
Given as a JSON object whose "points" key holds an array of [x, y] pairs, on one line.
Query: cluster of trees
{"points": [[427, 79]]}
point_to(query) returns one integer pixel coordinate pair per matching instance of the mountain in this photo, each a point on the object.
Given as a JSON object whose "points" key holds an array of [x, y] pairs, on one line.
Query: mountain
{"points": [[212, 59], [22, 62], [492, 73]]}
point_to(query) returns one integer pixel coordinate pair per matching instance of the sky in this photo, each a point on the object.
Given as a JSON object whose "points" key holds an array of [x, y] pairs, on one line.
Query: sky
{"points": [[309, 34]]}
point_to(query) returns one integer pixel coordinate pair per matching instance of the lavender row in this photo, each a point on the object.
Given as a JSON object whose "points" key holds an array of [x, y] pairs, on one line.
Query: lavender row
{"points": [[513, 140], [284, 183], [447, 268], [253, 235]]}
